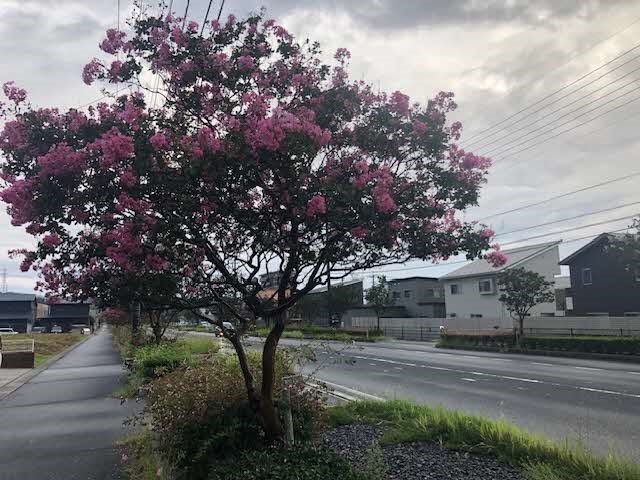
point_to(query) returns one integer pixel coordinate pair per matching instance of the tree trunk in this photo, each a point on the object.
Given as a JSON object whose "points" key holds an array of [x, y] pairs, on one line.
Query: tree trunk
{"points": [[156, 327], [378, 317], [520, 327], [249, 383], [268, 412]]}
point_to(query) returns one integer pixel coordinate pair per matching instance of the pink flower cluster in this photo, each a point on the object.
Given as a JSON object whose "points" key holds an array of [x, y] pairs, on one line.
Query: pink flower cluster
{"points": [[359, 232], [114, 146], [52, 240], [113, 42], [61, 159], [316, 205], [496, 258], [399, 103], [159, 142], [13, 93], [19, 195], [91, 71], [245, 62]]}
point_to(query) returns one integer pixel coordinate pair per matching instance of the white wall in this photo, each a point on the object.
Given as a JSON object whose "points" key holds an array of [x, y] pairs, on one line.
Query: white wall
{"points": [[471, 302]]}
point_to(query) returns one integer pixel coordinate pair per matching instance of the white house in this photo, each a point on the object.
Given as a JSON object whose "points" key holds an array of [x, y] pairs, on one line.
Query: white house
{"points": [[472, 291]]}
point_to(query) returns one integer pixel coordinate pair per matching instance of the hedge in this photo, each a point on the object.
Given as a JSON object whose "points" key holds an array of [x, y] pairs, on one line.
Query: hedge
{"points": [[582, 344]]}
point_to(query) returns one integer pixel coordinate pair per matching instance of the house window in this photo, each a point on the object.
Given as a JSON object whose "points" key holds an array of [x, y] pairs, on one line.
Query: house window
{"points": [[587, 278], [476, 315], [453, 315], [485, 286], [396, 294], [454, 288], [407, 294]]}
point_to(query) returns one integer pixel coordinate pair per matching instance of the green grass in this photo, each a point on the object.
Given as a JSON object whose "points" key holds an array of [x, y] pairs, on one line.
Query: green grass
{"points": [[539, 457], [138, 458], [200, 345], [322, 333], [49, 344]]}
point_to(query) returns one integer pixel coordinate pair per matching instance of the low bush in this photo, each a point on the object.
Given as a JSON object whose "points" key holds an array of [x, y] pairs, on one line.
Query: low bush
{"points": [[150, 361], [304, 462], [539, 457], [324, 333], [138, 459], [201, 413], [200, 345], [498, 341], [609, 345]]}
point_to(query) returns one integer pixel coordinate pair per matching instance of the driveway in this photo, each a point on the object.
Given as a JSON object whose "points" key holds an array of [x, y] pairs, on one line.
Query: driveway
{"points": [[62, 424]]}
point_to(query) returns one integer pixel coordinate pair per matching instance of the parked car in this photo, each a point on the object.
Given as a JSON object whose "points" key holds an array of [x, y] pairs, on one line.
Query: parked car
{"points": [[7, 331], [38, 329], [85, 331], [56, 329]]}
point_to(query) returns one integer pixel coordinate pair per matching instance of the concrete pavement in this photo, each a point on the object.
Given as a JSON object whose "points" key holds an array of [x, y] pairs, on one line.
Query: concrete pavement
{"points": [[62, 424]]}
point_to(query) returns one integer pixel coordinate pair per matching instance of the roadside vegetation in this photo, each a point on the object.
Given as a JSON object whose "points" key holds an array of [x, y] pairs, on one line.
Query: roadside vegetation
{"points": [[49, 344], [627, 346], [539, 458], [324, 333]]}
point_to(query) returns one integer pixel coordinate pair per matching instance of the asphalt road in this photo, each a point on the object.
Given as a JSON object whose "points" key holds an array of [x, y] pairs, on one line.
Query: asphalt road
{"points": [[594, 402], [62, 425]]}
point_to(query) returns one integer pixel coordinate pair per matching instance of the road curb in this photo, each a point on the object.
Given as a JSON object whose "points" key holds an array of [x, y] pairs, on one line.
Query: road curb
{"points": [[18, 382]]}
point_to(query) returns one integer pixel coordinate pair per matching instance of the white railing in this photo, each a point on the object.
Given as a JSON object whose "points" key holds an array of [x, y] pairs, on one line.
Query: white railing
{"points": [[10, 346]]}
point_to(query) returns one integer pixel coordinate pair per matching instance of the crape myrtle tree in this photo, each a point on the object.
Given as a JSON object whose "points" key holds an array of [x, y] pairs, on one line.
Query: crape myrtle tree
{"points": [[521, 291], [259, 156]]}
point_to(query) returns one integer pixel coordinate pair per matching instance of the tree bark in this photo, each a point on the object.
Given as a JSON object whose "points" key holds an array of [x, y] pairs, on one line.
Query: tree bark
{"points": [[135, 323], [520, 327], [249, 382], [268, 412]]}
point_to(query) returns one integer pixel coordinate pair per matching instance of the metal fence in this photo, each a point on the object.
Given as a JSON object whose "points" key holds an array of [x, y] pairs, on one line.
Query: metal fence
{"points": [[11, 346], [429, 334]]}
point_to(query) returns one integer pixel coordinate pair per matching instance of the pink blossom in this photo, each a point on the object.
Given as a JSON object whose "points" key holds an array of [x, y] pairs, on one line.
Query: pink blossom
{"points": [[14, 134], [51, 240], [487, 233], [158, 35], [496, 259], [399, 103], [113, 42], [159, 142], [419, 127], [192, 26], [179, 37], [383, 201], [20, 197], [128, 178], [114, 70], [115, 147], [13, 93], [61, 159], [395, 224], [207, 140], [245, 62], [316, 205], [359, 232], [25, 265], [91, 71], [342, 55]]}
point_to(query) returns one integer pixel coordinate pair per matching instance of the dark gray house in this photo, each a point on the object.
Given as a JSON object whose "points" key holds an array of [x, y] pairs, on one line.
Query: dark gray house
{"points": [[318, 305], [600, 283], [18, 311], [66, 315], [421, 296]]}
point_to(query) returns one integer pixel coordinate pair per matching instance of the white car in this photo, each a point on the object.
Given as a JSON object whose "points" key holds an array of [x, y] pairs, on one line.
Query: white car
{"points": [[85, 331], [7, 331], [56, 329]]}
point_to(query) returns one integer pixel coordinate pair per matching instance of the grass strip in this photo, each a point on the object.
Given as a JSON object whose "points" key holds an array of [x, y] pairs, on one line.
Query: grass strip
{"points": [[540, 458]]}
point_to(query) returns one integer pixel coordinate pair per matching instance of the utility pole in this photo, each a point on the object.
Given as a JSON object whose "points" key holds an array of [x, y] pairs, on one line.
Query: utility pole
{"points": [[5, 287]]}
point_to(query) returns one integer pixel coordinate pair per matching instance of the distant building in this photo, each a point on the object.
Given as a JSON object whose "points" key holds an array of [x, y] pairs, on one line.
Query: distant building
{"points": [[421, 296], [562, 291], [472, 291], [18, 311], [270, 280], [66, 315], [600, 282], [318, 305]]}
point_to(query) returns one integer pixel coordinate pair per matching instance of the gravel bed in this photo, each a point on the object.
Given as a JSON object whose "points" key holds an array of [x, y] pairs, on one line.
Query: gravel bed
{"points": [[417, 460]]}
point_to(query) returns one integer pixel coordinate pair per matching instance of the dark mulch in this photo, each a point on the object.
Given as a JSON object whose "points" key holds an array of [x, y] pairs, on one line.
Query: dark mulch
{"points": [[417, 460]]}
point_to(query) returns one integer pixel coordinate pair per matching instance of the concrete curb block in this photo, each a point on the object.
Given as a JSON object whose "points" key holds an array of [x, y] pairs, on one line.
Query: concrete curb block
{"points": [[550, 353], [18, 382]]}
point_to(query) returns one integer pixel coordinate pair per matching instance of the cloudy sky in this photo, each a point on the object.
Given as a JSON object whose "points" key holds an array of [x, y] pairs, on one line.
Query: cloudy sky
{"points": [[498, 56]]}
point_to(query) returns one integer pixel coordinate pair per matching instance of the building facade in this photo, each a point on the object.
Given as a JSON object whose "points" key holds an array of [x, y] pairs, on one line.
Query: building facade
{"points": [[421, 296], [18, 311], [600, 282], [472, 291]]}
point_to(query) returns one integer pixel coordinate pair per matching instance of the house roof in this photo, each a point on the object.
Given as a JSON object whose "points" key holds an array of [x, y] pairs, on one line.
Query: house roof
{"points": [[595, 241], [17, 297], [515, 257], [406, 279], [334, 285]]}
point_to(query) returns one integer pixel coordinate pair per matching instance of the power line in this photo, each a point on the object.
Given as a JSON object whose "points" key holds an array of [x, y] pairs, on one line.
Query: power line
{"points": [[610, 209], [508, 134], [567, 130], [568, 85], [186, 10], [585, 134], [562, 195], [220, 11], [506, 148], [206, 16]]}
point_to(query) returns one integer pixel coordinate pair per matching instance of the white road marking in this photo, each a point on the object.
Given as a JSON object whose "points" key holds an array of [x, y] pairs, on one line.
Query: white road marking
{"points": [[634, 373], [352, 391], [398, 368], [469, 356], [468, 379], [544, 364], [505, 377], [373, 364], [589, 368]]}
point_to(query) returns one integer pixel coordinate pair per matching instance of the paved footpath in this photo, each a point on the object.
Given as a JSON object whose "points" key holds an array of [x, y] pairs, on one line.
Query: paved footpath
{"points": [[62, 424]]}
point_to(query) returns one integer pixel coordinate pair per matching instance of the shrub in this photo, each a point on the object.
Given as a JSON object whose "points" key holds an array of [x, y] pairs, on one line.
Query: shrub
{"points": [[299, 463], [200, 345], [151, 361], [609, 345], [499, 340], [201, 413]]}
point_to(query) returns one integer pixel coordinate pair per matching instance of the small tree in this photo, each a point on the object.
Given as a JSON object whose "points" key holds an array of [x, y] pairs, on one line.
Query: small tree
{"points": [[379, 297], [521, 291], [626, 248]]}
